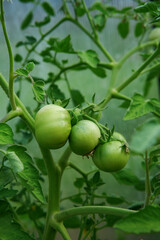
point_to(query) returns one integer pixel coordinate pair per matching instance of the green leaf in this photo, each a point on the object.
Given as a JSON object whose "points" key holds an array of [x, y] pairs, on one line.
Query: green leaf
{"points": [[6, 134], [126, 176], [125, 104], [90, 57], [115, 200], [77, 97], [144, 221], [64, 45], [6, 177], [31, 39], [38, 90], [4, 206], [36, 212], [29, 176], [147, 7], [98, 6], [139, 29], [96, 178], [45, 21], [5, 193], [13, 162], [123, 28], [79, 182], [79, 10], [54, 93], [10, 230], [41, 166], [156, 19], [140, 106], [22, 72], [18, 58], [24, 133], [154, 73], [27, 20], [30, 66], [48, 8], [145, 136], [100, 72], [77, 199], [155, 185], [99, 21], [73, 222]]}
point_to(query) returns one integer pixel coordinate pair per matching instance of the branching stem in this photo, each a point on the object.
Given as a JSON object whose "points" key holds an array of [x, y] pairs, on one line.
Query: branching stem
{"points": [[85, 210], [11, 68]]}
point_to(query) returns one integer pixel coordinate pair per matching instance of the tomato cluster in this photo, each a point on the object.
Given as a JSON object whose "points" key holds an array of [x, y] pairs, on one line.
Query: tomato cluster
{"points": [[53, 129]]}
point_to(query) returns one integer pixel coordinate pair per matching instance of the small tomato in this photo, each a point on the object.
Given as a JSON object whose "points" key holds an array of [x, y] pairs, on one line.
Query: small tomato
{"points": [[84, 137]]}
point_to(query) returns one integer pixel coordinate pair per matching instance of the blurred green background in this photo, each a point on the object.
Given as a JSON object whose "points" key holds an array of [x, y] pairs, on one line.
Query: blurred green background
{"points": [[88, 84]]}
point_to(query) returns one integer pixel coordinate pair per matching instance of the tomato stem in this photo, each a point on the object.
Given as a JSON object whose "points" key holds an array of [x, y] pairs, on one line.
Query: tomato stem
{"points": [[147, 182], [54, 177], [64, 158], [90, 20], [11, 76], [85, 210]]}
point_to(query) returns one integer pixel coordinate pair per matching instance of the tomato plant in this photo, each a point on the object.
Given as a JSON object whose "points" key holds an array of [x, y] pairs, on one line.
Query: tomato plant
{"points": [[78, 71], [52, 126], [111, 156], [84, 137]]}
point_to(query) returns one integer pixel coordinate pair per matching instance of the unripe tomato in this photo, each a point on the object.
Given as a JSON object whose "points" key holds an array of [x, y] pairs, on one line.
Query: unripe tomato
{"points": [[154, 34], [84, 137], [118, 137], [52, 126], [111, 156]]}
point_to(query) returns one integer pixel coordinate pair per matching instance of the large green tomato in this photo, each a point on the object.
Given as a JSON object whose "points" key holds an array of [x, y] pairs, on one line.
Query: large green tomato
{"points": [[84, 137], [154, 34], [111, 156], [52, 126]]}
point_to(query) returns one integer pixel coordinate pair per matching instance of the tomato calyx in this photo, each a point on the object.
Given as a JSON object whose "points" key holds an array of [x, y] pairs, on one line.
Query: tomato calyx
{"points": [[125, 148], [90, 154]]}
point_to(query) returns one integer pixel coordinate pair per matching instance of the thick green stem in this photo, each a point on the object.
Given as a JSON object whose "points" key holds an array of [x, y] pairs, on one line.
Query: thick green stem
{"points": [[137, 48], [85, 210], [118, 95], [139, 70], [11, 70], [77, 169], [147, 182], [12, 114], [25, 114], [64, 158], [54, 176], [110, 88]]}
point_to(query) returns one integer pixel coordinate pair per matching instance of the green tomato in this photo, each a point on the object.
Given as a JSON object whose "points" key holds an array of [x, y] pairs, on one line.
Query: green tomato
{"points": [[154, 34], [84, 137], [52, 126], [118, 137], [111, 156]]}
